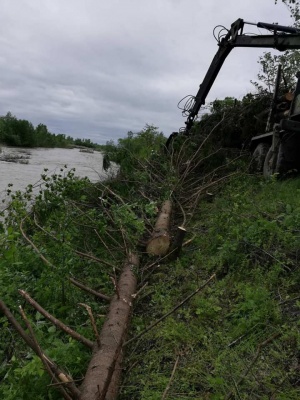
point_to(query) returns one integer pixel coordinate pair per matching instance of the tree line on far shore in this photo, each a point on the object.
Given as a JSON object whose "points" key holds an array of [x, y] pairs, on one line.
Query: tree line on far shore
{"points": [[20, 132]]}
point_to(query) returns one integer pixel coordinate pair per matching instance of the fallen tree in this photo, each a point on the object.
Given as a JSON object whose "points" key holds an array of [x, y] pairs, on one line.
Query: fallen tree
{"points": [[103, 374], [91, 244]]}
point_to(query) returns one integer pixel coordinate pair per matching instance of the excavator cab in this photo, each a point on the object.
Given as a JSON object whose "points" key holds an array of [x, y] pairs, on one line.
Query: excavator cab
{"points": [[295, 107], [277, 151]]}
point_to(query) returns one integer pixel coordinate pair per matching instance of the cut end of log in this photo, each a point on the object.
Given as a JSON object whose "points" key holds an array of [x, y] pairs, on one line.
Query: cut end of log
{"points": [[159, 246], [159, 243]]}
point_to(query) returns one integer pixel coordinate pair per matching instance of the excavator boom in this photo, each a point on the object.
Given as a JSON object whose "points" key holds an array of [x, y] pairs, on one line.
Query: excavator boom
{"points": [[281, 38]]}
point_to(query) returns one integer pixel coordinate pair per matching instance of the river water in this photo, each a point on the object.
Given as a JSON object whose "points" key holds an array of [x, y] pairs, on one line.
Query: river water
{"points": [[30, 163]]}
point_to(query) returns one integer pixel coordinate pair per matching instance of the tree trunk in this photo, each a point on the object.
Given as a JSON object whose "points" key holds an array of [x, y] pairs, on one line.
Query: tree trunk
{"points": [[101, 381], [160, 240]]}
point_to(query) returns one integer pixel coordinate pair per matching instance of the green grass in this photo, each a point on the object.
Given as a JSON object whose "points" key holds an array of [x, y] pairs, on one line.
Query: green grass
{"points": [[240, 336]]}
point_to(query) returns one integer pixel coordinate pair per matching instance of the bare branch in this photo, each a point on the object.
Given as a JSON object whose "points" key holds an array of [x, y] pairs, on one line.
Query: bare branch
{"points": [[91, 257], [46, 362], [32, 343], [248, 369], [164, 396], [89, 290], [170, 312], [94, 326], [112, 192], [105, 245], [12, 320], [56, 322], [33, 245]]}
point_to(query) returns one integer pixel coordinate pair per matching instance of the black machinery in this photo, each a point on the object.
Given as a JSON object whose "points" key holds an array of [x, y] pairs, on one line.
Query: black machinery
{"points": [[277, 150]]}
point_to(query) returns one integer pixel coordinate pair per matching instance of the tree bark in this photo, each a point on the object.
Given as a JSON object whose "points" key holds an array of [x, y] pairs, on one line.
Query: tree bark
{"points": [[160, 240], [103, 374]]}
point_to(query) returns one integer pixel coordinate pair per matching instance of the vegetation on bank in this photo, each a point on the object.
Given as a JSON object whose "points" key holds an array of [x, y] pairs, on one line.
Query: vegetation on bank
{"points": [[73, 230], [238, 338], [21, 133]]}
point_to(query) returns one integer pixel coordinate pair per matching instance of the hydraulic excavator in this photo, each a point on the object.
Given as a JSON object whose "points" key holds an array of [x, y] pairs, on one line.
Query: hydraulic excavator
{"points": [[278, 149]]}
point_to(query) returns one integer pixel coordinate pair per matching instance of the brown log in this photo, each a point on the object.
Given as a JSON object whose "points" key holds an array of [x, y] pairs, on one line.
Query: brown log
{"points": [[160, 240], [103, 374]]}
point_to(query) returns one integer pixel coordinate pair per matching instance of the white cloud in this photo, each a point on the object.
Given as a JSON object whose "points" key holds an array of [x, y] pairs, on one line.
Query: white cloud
{"points": [[98, 68]]}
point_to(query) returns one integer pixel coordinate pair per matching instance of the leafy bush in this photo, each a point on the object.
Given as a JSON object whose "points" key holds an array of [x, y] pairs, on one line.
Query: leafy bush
{"points": [[136, 148]]}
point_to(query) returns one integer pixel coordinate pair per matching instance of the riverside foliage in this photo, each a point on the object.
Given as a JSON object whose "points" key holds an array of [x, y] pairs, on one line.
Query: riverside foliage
{"points": [[237, 339], [64, 228]]}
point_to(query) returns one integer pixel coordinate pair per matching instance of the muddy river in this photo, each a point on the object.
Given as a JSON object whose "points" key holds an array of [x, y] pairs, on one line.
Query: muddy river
{"points": [[20, 166]]}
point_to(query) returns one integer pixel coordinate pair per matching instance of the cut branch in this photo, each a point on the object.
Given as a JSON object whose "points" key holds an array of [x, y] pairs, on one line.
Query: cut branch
{"points": [[164, 396], [89, 290], [33, 245], [94, 326], [248, 369], [55, 374], [91, 257], [171, 312], [56, 322], [12, 320], [59, 374]]}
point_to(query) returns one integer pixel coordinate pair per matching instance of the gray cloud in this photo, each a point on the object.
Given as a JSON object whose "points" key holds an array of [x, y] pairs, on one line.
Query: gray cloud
{"points": [[98, 68]]}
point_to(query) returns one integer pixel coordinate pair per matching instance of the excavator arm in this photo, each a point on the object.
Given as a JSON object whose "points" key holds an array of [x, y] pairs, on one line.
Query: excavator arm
{"points": [[281, 38]]}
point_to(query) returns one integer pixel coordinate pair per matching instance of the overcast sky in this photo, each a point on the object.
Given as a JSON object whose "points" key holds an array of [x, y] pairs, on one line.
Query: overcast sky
{"points": [[99, 68]]}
